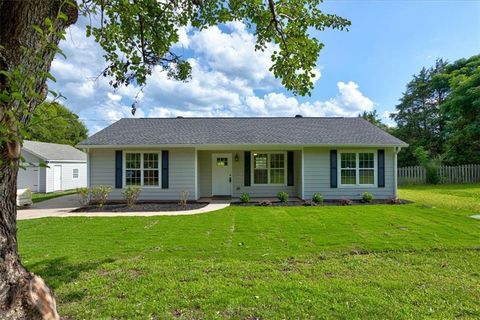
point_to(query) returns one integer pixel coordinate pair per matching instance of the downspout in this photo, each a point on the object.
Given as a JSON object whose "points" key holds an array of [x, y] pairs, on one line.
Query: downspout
{"points": [[396, 150], [87, 151]]}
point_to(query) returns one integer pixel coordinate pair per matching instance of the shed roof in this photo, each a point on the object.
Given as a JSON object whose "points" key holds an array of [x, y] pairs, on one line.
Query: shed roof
{"points": [[54, 151]]}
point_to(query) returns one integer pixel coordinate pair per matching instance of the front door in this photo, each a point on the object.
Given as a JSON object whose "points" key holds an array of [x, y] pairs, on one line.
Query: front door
{"points": [[221, 174], [57, 178]]}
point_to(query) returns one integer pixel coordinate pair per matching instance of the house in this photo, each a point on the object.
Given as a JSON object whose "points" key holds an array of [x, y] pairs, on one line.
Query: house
{"points": [[64, 167], [339, 157]]}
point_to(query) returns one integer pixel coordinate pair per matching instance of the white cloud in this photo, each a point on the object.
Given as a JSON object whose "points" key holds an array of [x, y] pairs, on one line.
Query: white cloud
{"points": [[227, 78]]}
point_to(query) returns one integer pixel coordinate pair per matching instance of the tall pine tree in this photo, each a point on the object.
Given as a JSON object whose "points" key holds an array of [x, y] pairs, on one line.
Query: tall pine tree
{"points": [[418, 114]]}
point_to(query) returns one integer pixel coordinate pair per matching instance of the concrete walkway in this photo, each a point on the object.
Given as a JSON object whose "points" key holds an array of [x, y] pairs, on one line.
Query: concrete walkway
{"points": [[62, 207]]}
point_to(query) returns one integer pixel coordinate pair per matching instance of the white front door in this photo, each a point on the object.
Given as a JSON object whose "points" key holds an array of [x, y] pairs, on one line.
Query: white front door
{"points": [[57, 178], [221, 174]]}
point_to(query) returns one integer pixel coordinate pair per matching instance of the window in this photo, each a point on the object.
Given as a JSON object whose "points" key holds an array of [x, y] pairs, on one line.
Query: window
{"points": [[222, 162], [75, 173], [357, 168], [142, 169], [269, 168]]}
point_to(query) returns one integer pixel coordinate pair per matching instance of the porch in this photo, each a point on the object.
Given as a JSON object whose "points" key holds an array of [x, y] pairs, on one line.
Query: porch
{"points": [[260, 173]]}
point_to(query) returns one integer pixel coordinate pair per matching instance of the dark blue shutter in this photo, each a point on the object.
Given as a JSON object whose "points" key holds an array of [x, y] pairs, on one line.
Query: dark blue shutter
{"points": [[165, 169], [247, 169], [381, 168], [290, 177], [118, 169], [333, 168]]}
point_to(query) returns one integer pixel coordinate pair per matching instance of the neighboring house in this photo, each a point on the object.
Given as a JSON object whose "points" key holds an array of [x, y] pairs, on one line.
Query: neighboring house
{"points": [[339, 157], [64, 167]]}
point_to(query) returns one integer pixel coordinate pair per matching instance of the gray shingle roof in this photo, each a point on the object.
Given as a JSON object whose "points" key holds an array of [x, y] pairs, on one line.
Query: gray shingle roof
{"points": [[54, 151], [242, 131]]}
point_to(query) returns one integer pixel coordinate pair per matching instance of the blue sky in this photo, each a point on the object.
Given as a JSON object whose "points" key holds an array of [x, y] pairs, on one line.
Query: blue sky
{"points": [[389, 41], [363, 69]]}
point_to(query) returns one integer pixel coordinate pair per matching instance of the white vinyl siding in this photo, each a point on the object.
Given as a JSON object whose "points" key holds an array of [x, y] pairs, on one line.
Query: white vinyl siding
{"points": [[181, 173], [68, 182], [317, 175]]}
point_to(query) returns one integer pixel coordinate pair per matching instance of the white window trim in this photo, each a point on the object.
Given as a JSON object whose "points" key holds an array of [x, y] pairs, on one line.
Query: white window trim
{"points": [[142, 152], [357, 169], [252, 168], [73, 174]]}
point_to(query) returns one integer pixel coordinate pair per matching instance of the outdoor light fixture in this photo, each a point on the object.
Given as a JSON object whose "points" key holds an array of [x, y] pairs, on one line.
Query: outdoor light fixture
{"points": [[236, 157]]}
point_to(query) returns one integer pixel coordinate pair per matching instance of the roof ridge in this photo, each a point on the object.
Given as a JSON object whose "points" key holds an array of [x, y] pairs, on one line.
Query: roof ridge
{"points": [[270, 117]]}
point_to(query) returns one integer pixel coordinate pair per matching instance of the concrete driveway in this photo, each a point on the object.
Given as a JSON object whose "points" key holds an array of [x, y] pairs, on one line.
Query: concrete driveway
{"points": [[62, 207], [55, 207]]}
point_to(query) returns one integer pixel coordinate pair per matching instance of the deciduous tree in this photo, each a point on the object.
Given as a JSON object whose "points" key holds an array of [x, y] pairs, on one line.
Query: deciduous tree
{"points": [[136, 36], [55, 123]]}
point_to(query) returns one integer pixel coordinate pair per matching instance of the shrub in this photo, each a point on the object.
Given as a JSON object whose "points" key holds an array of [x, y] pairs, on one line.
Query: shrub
{"points": [[282, 196], [100, 194], [184, 198], [317, 198], [83, 196], [367, 197], [245, 197], [430, 164], [131, 194], [346, 202]]}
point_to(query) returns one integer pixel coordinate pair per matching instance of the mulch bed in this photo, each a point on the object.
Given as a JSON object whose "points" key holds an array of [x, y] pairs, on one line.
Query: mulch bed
{"points": [[311, 203], [142, 207]]}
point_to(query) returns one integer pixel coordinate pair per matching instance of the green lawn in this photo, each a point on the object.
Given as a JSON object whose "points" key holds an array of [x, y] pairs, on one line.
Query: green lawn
{"points": [[420, 260], [38, 197]]}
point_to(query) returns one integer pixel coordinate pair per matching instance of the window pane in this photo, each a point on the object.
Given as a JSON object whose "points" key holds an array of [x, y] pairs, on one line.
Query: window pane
{"points": [[260, 176], [348, 161], [366, 176], [222, 162], [75, 173], [150, 160], [132, 177], [277, 160], [348, 176], [132, 161], [260, 161], [150, 178], [366, 160], [277, 176]]}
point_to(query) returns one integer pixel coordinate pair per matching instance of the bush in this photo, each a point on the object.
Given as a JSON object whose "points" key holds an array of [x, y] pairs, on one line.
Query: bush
{"points": [[245, 197], [131, 194], [100, 194], [317, 198], [282, 196], [184, 199], [430, 164], [367, 197], [346, 202], [83, 196], [431, 173]]}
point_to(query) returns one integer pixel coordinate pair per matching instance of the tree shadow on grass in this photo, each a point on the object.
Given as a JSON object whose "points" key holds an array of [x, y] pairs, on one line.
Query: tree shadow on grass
{"points": [[60, 271]]}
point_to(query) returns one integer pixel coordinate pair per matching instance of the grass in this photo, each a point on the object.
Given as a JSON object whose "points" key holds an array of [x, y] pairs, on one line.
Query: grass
{"points": [[378, 262], [38, 197]]}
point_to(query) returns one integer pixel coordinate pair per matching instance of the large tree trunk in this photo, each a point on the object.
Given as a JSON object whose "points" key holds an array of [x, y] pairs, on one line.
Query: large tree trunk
{"points": [[22, 294]]}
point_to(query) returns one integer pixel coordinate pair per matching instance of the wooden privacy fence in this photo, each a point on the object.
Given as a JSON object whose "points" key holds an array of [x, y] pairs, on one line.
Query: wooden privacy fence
{"points": [[468, 173]]}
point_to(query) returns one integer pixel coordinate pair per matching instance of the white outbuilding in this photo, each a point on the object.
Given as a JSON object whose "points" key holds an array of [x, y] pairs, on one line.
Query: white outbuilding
{"points": [[51, 167]]}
